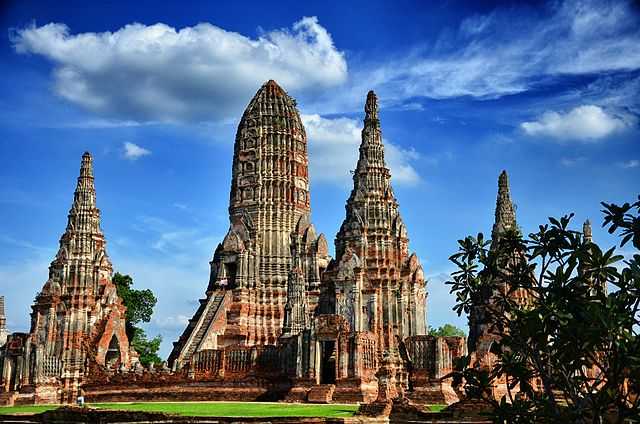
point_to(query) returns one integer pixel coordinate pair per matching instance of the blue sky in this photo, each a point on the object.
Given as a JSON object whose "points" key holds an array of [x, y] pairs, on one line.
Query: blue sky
{"points": [[547, 90]]}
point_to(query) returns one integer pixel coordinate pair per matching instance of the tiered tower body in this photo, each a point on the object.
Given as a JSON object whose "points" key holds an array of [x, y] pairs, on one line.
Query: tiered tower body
{"points": [[3, 323], [373, 294], [374, 280], [269, 236], [77, 318]]}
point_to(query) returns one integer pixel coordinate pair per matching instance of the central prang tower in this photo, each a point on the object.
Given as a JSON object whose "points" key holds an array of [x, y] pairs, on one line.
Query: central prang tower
{"points": [[270, 185], [271, 246]]}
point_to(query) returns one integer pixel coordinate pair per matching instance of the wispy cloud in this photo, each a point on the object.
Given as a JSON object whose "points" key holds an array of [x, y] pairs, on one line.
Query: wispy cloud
{"points": [[103, 123], [25, 244], [178, 240], [180, 206], [584, 123], [633, 163], [27, 277], [133, 152], [507, 51], [569, 162]]}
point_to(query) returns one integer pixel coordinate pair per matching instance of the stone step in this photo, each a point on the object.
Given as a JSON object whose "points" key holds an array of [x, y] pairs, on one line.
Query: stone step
{"points": [[322, 393], [8, 398]]}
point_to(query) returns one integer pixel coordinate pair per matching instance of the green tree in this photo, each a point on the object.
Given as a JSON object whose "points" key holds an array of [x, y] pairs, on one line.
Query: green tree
{"points": [[140, 304], [571, 354], [147, 349], [447, 330]]}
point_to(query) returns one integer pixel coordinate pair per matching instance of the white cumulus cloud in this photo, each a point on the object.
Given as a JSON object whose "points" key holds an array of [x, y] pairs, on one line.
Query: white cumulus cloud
{"points": [[202, 73], [133, 152], [583, 123], [333, 151]]}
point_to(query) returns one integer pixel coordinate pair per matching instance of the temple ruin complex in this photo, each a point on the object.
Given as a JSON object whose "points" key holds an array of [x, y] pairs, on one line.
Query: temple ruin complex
{"points": [[280, 319]]}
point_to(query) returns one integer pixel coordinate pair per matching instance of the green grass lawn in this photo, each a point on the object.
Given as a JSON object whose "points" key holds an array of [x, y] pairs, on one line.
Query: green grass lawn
{"points": [[236, 409], [26, 409], [213, 409], [436, 408], [217, 409]]}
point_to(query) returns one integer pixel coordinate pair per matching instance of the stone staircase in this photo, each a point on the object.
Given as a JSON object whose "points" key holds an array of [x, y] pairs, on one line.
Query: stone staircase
{"points": [[211, 314], [322, 393], [8, 398]]}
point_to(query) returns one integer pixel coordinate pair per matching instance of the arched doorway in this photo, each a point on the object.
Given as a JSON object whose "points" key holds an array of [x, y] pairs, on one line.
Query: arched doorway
{"points": [[113, 352]]}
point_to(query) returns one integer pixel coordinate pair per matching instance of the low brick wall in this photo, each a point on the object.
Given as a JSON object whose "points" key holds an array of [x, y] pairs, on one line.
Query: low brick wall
{"points": [[68, 414], [185, 392]]}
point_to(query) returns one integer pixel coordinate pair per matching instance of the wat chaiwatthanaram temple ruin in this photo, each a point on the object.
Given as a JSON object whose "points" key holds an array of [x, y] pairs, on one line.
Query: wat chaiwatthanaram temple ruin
{"points": [[280, 319]]}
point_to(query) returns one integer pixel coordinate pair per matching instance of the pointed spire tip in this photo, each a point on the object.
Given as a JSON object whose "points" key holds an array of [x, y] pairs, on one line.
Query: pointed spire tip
{"points": [[371, 106], [587, 231], [503, 179], [505, 217]]}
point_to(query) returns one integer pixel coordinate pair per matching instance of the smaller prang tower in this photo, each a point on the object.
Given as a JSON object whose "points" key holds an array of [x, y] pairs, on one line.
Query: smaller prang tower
{"points": [[480, 335], [374, 281], [78, 319], [587, 236], [374, 292]]}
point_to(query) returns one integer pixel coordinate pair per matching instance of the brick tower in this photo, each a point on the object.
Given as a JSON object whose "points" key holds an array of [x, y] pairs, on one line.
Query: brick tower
{"points": [[269, 211], [77, 319]]}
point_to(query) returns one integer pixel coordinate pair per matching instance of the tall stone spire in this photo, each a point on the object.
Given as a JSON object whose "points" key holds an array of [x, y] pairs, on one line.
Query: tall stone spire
{"points": [[586, 231], [78, 317], [505, 214], [85, 194], [372, 202], [83, 240], [371, 174], [379, 286]]}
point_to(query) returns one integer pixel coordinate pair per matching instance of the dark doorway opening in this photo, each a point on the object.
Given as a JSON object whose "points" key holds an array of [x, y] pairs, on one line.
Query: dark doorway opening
{"points": [[113, 352], [328, 362], [231, 269]]}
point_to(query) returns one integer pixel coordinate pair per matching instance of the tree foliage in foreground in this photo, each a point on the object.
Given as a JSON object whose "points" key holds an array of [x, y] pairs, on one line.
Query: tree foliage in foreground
{"points": [[573, 353], [446, 330], [140, 304]]}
